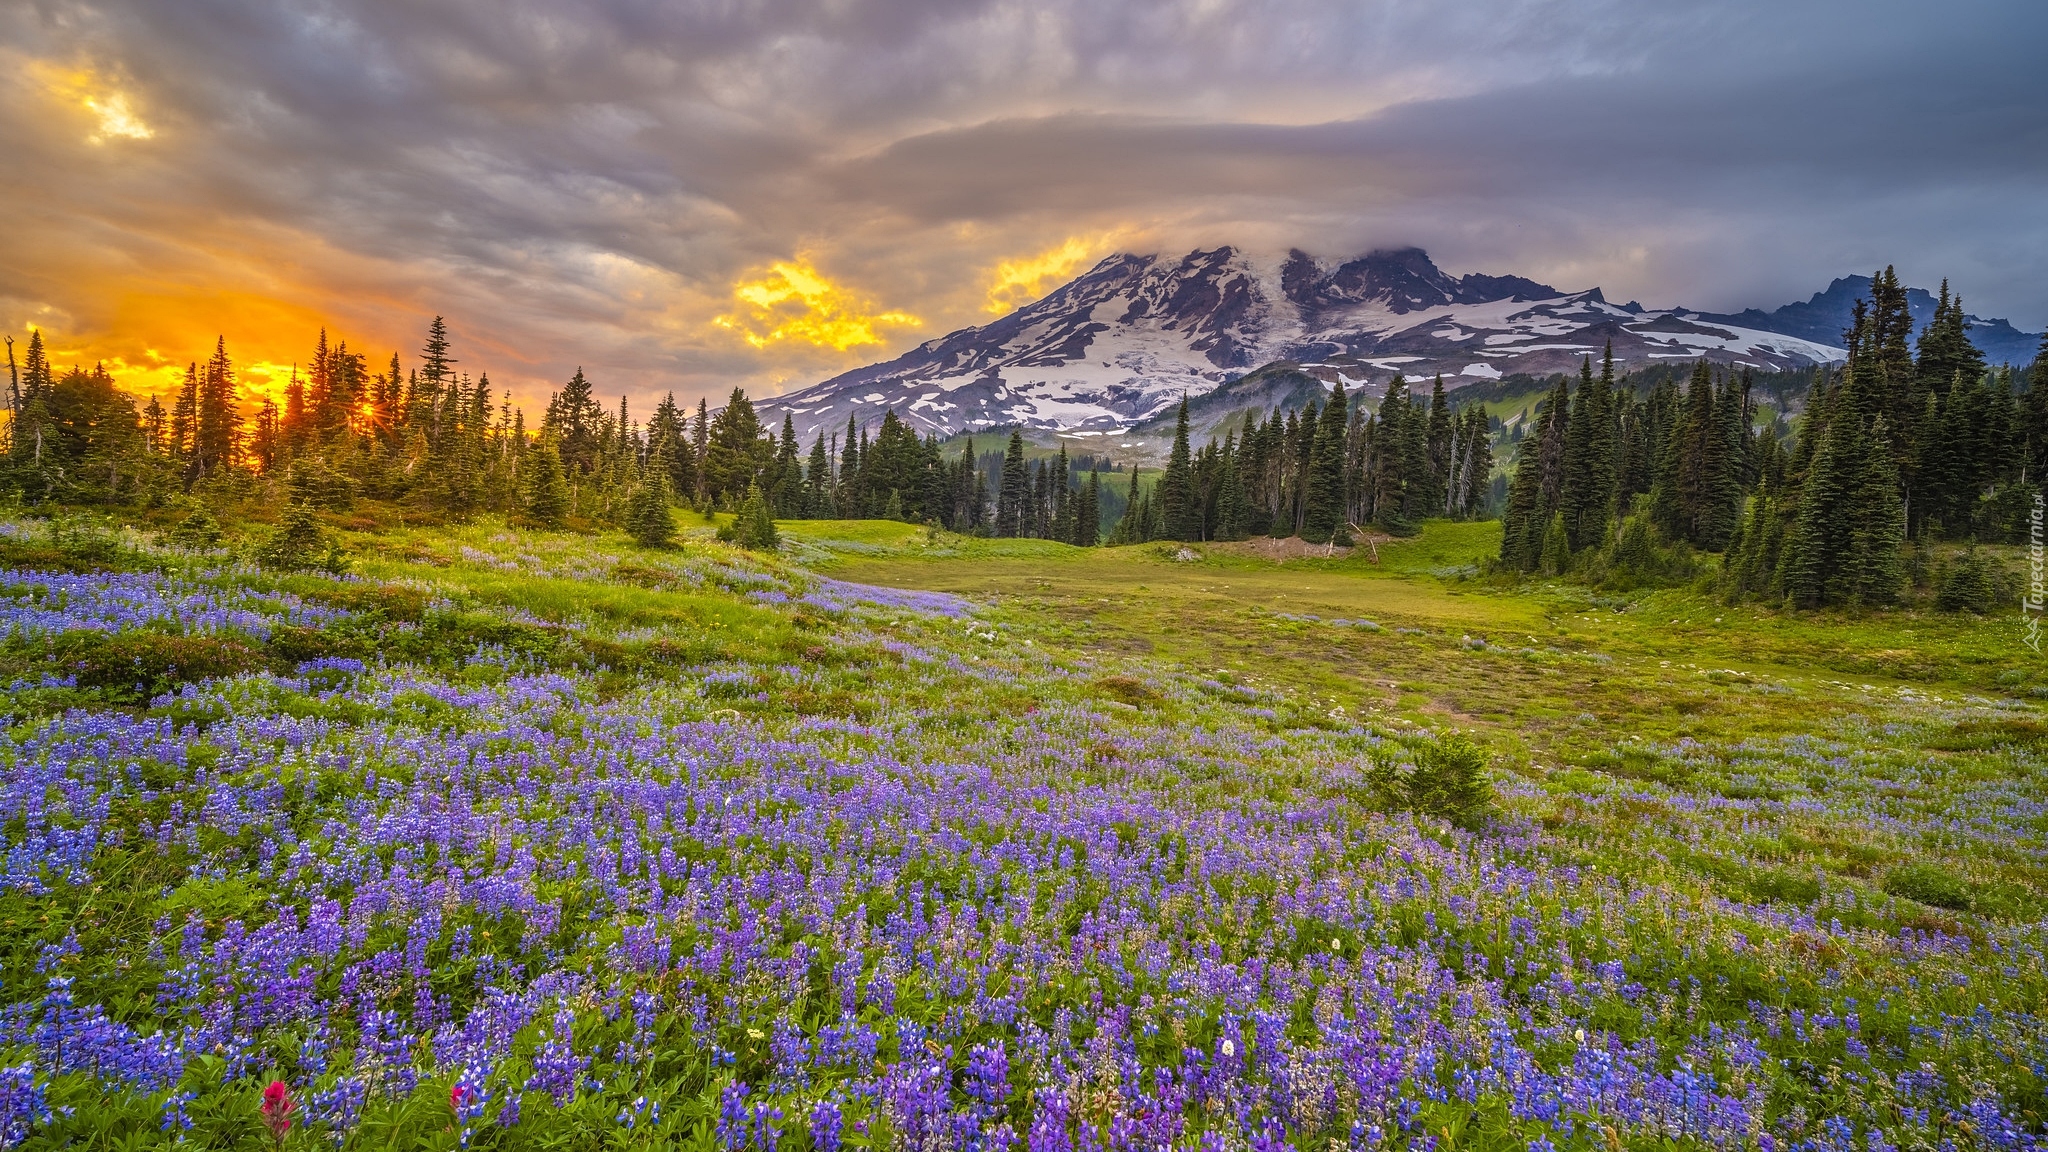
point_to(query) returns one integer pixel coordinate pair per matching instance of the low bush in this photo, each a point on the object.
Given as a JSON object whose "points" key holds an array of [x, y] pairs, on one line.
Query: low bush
{"points": [[1930, 884], [136, 666]]}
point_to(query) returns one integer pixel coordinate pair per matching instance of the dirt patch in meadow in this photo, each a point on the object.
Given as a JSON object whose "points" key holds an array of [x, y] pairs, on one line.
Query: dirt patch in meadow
{"points": [[1279, 548]]}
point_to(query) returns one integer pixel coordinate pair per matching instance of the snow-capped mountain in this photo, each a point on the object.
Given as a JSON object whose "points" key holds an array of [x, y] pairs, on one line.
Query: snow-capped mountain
{"points": [[1124, 341]]}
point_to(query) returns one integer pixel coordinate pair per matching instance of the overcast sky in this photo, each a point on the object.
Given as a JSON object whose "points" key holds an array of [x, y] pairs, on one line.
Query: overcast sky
{"points": [[691, 194]]}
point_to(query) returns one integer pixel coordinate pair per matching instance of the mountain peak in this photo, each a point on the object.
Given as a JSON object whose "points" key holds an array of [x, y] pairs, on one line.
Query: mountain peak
{"points": [[1122, 342]]}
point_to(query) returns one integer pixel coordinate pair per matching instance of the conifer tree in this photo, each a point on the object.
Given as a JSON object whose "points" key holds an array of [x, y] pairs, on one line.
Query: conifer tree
{"points": [[1586, 494], [217, 435], [1478, 464], [647, 513], [1534, 496], [1233, 508], [547, 489], [1877, 535], [753, 526], [1323, 485], [1441, 442], [818, 502], [1391, 465], [1088, 518], [700, 443], [1175, 493], [1015, 493], [786, 497]]}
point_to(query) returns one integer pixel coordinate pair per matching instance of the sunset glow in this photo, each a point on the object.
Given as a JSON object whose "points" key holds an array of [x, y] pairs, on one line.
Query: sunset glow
{"points": [[795, 302], [1018, 282]]}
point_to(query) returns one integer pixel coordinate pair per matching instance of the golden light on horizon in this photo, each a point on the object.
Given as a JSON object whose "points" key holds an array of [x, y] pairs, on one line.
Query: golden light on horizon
{"points": [[796, 302], [1016, 283]]}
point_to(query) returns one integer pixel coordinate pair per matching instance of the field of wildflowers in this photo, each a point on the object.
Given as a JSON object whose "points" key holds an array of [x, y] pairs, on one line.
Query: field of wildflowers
{"points": [[534, 841]]}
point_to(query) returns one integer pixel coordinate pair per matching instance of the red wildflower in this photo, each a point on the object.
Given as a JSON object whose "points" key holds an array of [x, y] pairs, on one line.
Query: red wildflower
{"points": [[277, 1109]]}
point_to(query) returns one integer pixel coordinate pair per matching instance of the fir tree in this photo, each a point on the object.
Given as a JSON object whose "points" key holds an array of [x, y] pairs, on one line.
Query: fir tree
{"points": [[1323, 486], [1088, 518], [1175, 493], [1586, 495], [1233, 508], [547, 489], [753, 526], [1015, 491], [1878, 533], [647, 513], [818, 482], [217, 435]]}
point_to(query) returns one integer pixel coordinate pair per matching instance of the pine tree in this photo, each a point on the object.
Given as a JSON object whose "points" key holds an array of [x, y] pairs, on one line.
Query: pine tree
{"points": [[1175, 493], [1878, 534], [647, 513], [1088, 518], [818, 502], [1015, 491], [1586, 496], [753, 526], [1323, 485], [547, 490], [217, 435]]}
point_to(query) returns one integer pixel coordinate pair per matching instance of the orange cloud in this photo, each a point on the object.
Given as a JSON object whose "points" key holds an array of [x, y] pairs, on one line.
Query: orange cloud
{"points": [[1016, 283], [796, 302], [112, 109]]}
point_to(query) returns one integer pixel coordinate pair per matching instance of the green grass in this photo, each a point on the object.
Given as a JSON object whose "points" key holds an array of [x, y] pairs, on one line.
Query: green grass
{"points": [[1546, 666]]}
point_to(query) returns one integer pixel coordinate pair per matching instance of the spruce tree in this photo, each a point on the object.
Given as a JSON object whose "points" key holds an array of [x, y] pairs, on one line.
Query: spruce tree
{"points": [[1878, 535], [1175, 493], [647, 513], [547, 490], [1442, 441], [1323, 485], [753, 526], [1586, 492], [1015, 493], [818, 482], [1088, 517]]}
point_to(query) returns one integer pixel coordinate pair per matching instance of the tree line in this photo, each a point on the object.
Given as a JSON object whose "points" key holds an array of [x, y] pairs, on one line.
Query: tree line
{"points": [[1905, 441], [435, 440], [1321, 472]]}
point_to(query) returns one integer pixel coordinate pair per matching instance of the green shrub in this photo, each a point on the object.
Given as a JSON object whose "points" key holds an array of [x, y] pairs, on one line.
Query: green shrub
{"points": [[1448, 782], [1965, 585], [198, 531], [752, 527], [1930, 884], [300, 543], [647, 514], [139, 665]]}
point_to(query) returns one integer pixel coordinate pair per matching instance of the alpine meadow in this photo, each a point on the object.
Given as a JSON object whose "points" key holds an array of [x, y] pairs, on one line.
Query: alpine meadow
{"points": [[891, 577]]}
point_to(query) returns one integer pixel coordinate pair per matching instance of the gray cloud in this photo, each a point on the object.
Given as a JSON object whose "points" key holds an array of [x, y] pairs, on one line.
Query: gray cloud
{"points": [[583, 181]]}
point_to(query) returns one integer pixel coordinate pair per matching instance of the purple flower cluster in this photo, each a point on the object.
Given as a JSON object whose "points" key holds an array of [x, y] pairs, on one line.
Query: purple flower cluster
{"points": [[44, 603]]}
